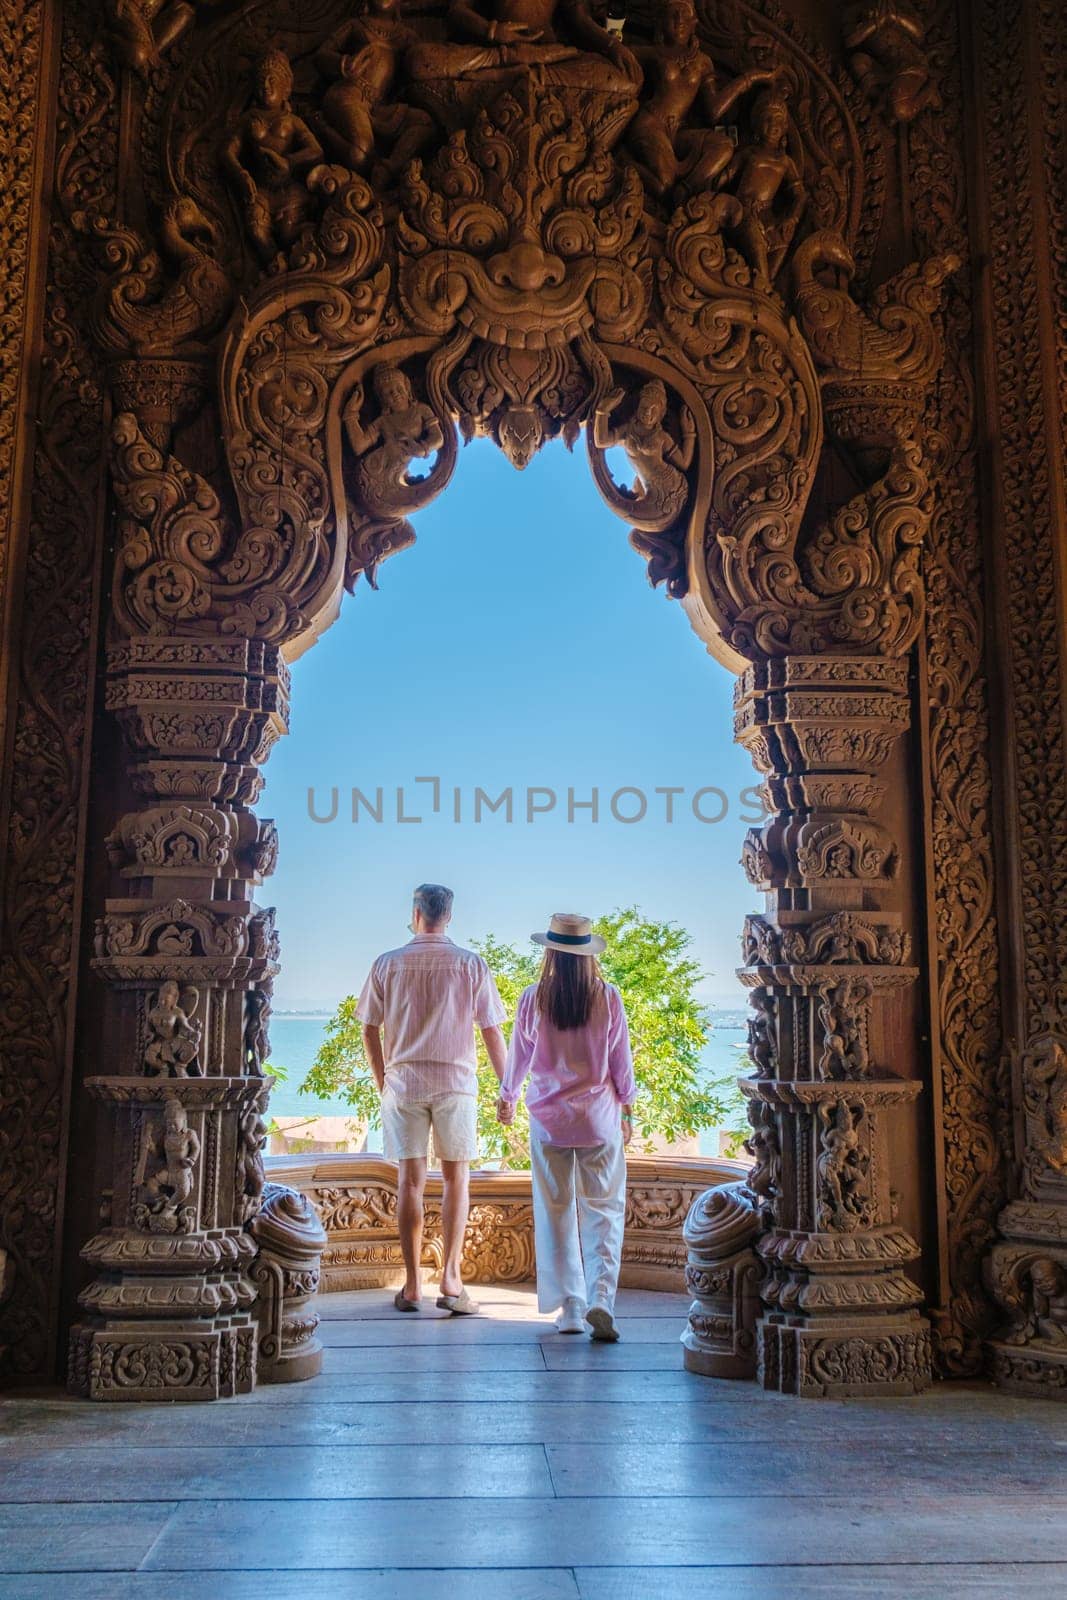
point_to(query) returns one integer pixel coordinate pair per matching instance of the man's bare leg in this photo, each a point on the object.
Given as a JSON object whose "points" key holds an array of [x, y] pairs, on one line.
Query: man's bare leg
{"points": [[409, 1216], [455, 1205]]}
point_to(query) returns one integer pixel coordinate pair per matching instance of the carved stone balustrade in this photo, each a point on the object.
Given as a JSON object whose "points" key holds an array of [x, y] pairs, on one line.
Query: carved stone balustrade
{"points": [[287, 1272], [355, 1197], [840, 1309]]}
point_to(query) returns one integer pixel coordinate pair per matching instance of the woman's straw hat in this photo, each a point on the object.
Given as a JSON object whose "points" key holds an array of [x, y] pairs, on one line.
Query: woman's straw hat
{"points": [[572, 935]]}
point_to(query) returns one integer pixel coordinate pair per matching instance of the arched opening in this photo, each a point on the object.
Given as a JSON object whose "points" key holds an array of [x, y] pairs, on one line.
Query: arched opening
{"points": [[520, 278], [512, 713]]}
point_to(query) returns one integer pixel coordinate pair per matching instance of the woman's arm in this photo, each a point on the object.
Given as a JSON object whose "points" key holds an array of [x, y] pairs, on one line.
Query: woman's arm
{"points": [[517, 1065], [620, 1056]]}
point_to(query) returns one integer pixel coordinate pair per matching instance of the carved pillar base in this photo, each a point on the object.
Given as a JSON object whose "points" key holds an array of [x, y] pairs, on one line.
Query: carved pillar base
{"points": [[840, 1309], [291, 1240], [1027, 1268], [170, 1310], [846, 1356], [722, 1274]]}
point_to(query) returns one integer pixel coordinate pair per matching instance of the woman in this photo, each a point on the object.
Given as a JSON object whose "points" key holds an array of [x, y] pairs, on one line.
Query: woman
{"points": [[571, 1039]]}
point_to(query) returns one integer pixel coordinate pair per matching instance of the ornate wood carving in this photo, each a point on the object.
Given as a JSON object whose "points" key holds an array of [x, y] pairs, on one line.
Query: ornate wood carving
{"points": [[965, 929], [354, 240], [825, 955], [49, 650], [723, 1274], [1021, 50], [464, 227], [287, 1272]]}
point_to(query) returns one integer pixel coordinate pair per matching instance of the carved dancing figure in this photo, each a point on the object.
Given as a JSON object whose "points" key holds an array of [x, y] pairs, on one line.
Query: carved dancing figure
{"points": [[176, 1149], [257, 1030], [766, 1153], [268, 158], [841, 1168], [502, 35], [174, 1041], [405, 429], [760, 170], [680, 75], [761, 1046], [251, 1137], [361, 60], [660, 461], [844, 1049], [885, 45]]}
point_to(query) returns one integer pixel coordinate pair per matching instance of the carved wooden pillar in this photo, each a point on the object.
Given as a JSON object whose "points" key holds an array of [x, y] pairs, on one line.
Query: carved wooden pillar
{"points": [[840, 1309], [190, 958], [1027, 1268]]}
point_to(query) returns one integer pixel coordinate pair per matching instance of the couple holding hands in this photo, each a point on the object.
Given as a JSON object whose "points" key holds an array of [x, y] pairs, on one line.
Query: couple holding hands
{"points": [[419, 1008]]}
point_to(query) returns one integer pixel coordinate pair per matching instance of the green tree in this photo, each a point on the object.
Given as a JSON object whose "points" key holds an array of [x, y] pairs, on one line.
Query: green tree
{"points": [[732, 1123], [658, 981]]}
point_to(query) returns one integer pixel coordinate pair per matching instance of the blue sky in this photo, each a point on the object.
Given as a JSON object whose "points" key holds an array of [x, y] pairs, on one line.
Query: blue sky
{"points": [[517, 644]]}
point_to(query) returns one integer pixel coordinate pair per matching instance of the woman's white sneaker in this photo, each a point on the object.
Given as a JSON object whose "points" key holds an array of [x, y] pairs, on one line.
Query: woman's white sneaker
{"points": [[602, 1324], [572, 1317]]}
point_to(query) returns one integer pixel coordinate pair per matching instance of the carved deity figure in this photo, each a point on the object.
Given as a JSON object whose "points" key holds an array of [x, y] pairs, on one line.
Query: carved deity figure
{"points": [[1040, 1305], [251, 1137], [760, 173], [257, 1030], [659, 460], [495, 37], [1044, 1074], [168, 1158], [404, 429], [841, 1170], [358, 111], [174, 1032], [764, 1179], [885, 45], [844, 1047], [1048, 1284], [761, 1034], [680, 76], [268, 158]]}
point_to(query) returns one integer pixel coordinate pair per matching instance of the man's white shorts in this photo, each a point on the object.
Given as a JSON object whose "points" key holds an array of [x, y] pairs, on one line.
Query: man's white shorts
{"points": [[406, 1127]]}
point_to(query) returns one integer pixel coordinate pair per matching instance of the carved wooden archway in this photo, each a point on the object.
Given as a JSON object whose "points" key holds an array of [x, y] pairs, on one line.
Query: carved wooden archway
{"points": [[371, 232]]}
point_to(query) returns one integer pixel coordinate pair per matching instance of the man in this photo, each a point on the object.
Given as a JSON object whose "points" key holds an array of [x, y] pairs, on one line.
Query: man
{"points": [[428, 997]]}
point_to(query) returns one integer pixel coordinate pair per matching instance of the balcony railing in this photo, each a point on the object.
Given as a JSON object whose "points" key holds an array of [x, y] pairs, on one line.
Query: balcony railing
{"points": [[355, 1196]]}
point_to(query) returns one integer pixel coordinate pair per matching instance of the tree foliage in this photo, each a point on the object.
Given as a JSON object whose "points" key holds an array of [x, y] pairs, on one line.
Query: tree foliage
{"points": [[658, 981]]}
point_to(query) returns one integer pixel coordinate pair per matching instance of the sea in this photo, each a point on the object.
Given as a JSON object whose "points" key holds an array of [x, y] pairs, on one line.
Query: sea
{"points": [[295, 1039]]}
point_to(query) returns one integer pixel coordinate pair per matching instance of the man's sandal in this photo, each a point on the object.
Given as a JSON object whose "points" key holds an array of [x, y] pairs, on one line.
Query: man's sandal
{"points": [[402, 1303], [460, 1305]]}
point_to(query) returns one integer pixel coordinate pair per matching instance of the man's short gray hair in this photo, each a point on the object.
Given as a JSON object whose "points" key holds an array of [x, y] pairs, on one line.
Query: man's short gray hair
{"points": [[435, 903]]}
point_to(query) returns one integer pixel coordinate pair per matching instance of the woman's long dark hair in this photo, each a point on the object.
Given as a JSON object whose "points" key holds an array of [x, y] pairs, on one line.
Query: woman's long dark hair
{"points": [[570, 990]]}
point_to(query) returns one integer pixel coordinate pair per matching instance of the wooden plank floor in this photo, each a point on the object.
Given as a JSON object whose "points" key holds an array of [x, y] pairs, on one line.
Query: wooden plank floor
{"points": [[493, 1459]]}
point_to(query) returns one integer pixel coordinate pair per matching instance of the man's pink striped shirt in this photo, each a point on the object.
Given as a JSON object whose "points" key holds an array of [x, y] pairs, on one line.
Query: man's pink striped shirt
{"points": [[428, 997]]}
